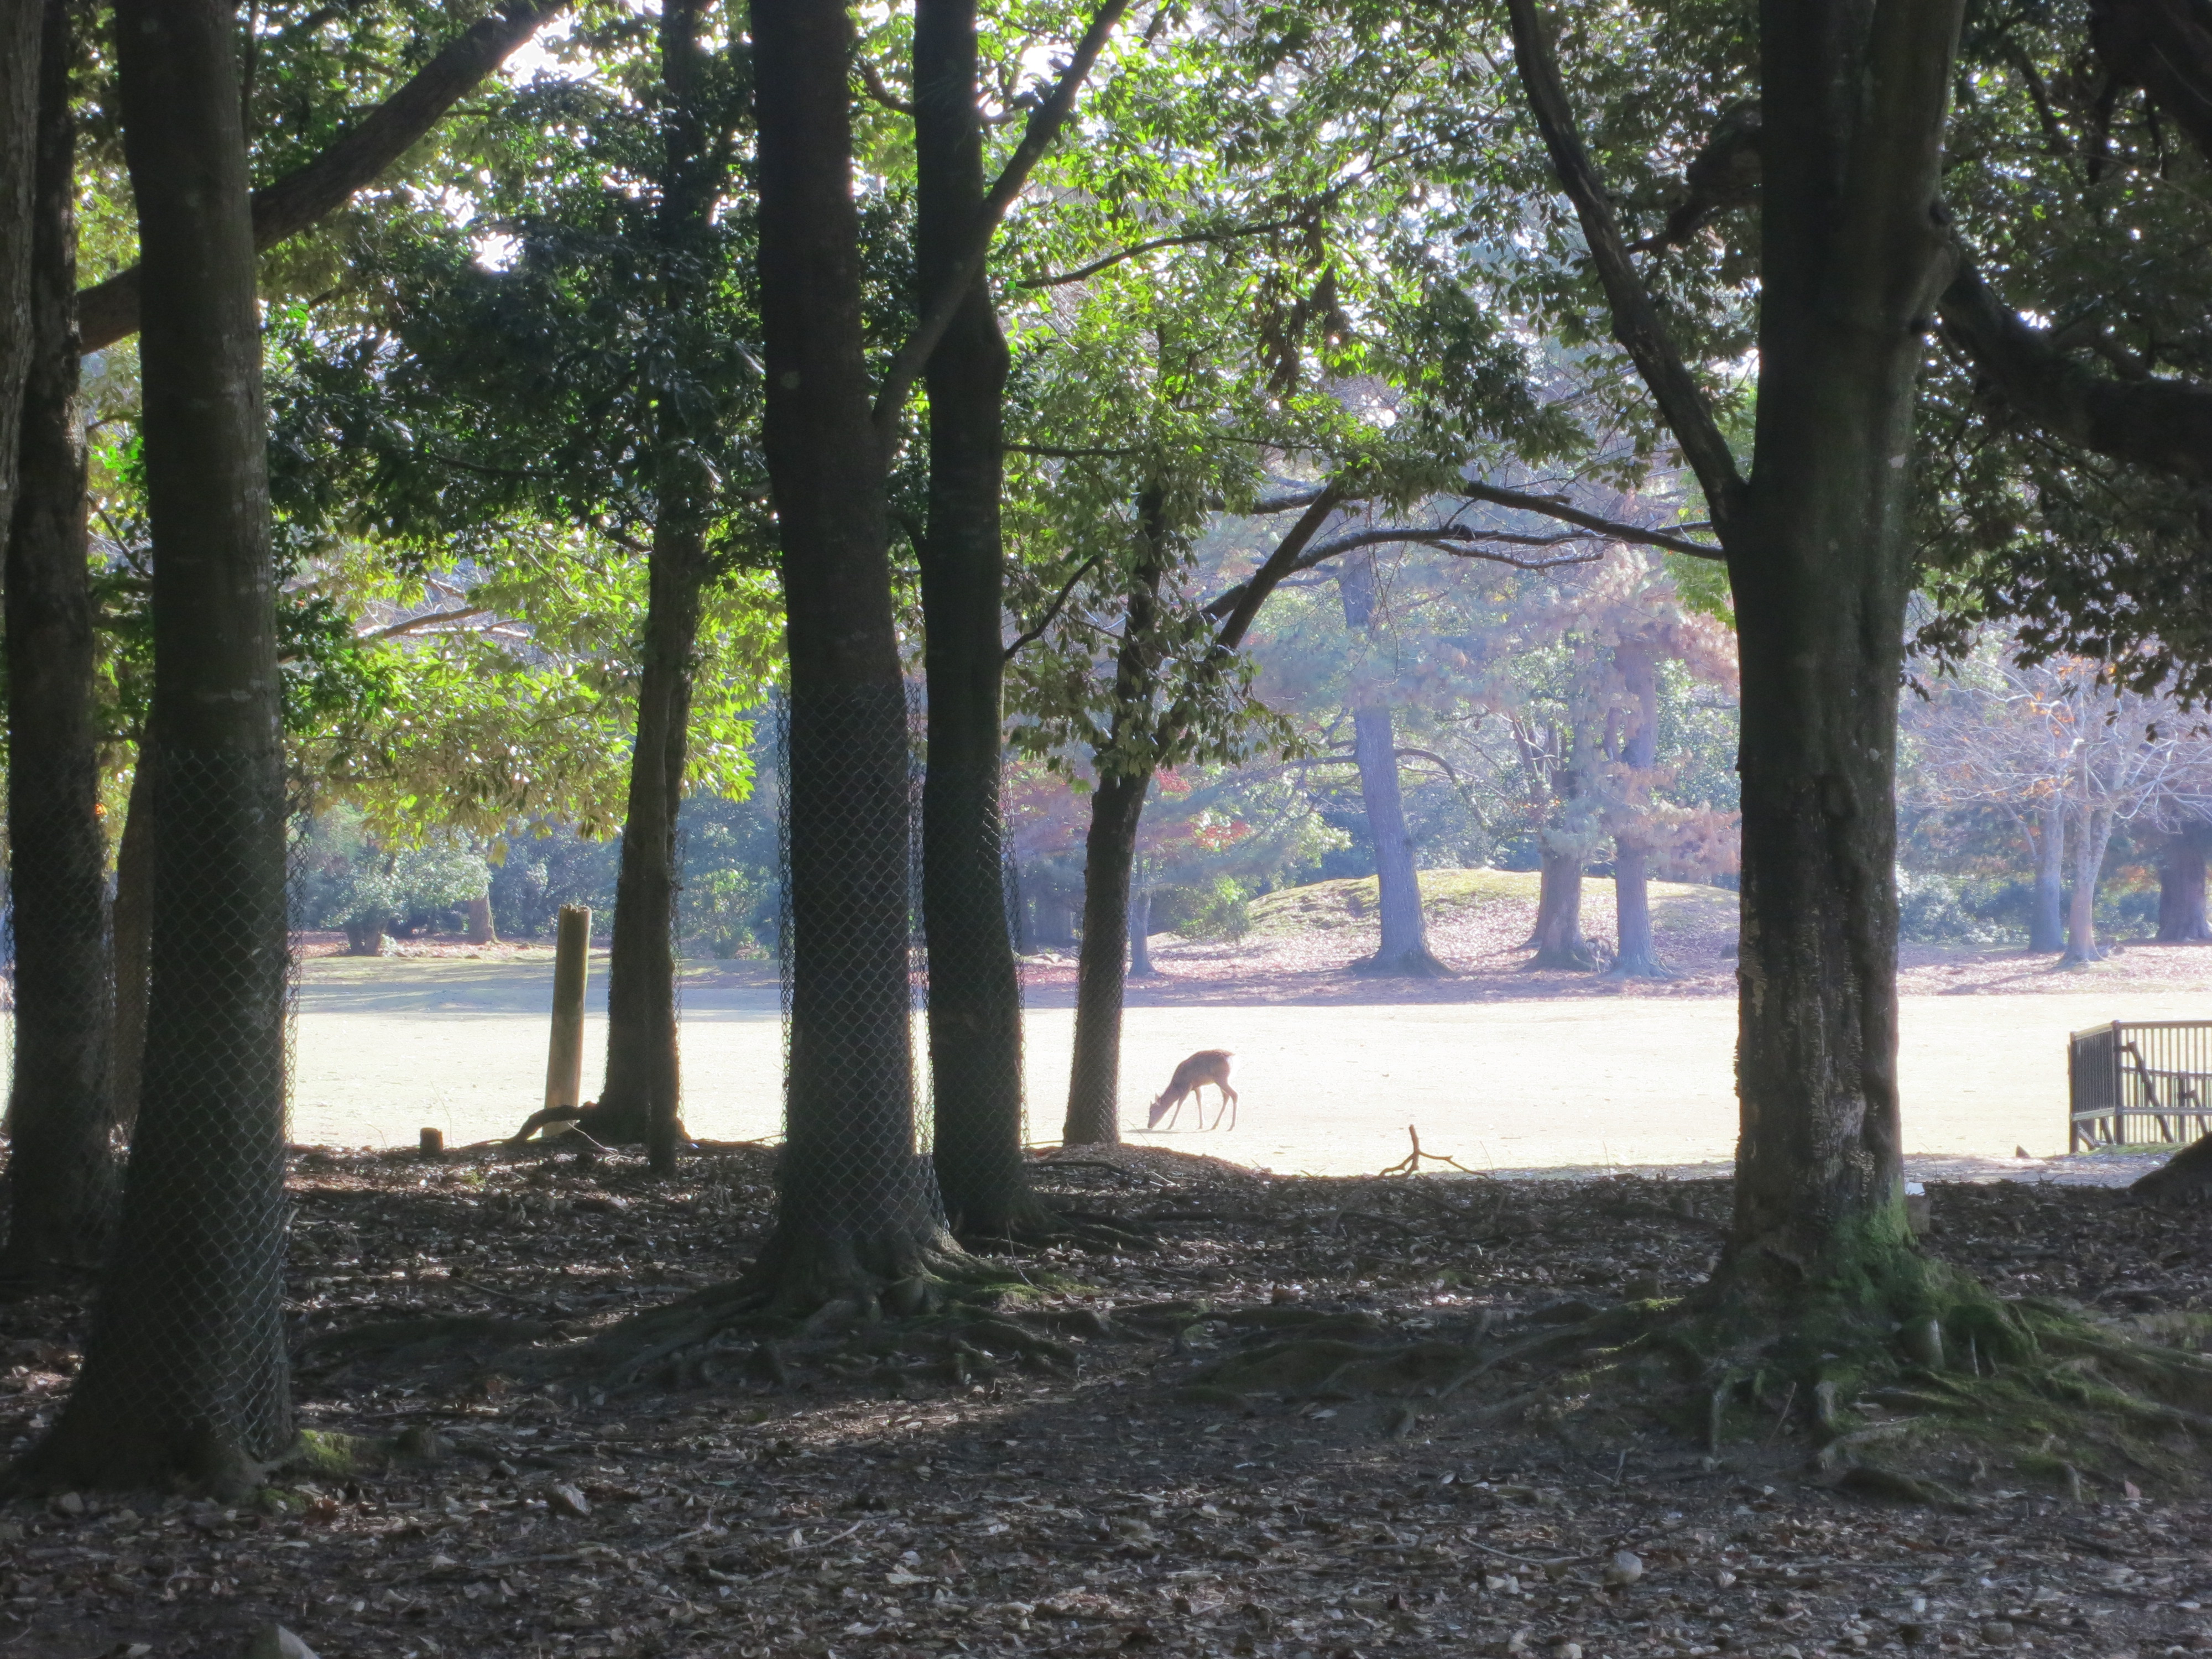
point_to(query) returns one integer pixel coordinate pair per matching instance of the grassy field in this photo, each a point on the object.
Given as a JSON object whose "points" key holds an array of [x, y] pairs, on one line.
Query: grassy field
{"points": [[1448, 895]]}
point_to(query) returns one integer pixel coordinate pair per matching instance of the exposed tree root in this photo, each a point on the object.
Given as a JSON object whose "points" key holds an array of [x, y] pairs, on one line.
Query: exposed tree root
{"points": [[1416, 963]]}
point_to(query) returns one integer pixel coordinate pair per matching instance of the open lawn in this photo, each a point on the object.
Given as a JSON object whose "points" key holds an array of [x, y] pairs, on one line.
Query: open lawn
{"points": [[1498, 1067]]}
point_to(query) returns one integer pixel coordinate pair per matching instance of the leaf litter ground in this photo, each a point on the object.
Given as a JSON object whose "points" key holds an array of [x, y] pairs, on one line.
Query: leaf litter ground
{"points": [[850, 1492]]}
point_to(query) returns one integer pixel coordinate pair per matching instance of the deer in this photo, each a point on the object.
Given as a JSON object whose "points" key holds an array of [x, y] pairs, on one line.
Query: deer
{"points": [[1207, 1066]]}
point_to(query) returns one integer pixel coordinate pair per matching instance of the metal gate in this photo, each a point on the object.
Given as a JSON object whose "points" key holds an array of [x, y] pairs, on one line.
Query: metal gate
{"points": [[2137, 1081]]}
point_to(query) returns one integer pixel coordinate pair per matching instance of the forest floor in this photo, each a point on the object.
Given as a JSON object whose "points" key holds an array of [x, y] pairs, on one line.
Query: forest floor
{"points": [[862, 1507]]}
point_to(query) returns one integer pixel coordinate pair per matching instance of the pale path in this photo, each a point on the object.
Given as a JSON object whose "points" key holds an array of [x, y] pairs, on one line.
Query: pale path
{"points": [[386, 1047]]}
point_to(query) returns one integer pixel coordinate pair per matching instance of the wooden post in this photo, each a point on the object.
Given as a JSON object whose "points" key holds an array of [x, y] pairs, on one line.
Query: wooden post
{"points": [[434, 1143], [564, 1060]]}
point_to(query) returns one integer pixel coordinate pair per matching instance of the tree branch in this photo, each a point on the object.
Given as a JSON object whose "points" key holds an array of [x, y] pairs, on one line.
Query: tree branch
{"points": [[882, 95], [428, 619], [1054, 609], [1241, 604], [939, 308], [1636, 321], [1189, 239], [108, 311], [1460, 541], [2165, 425], [1551, 507]]}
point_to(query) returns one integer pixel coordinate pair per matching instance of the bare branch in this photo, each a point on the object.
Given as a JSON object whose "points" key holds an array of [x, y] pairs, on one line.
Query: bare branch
{"points": [[428, 619], [1636, 321], [1189, 239], [1553, 508], [1243, 602], [1461, 541], [877, 90], [939, 308]]}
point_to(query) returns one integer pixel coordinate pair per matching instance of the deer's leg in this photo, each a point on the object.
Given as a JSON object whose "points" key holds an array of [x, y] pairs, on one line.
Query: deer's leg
{"points": [[1230, 1094]]}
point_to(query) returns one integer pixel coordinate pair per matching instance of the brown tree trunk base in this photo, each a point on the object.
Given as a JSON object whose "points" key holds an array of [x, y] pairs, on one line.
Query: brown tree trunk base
{"points": [[82, 1456], [1416, 963]]}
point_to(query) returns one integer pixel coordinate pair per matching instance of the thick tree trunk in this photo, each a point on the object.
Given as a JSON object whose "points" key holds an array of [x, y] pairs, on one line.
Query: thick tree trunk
{"points": [[185, 1375], [2046, 923], [134, 937], [1557, 938], [857, 1207], [62, 1163], [2092, 831], [1819, 561], [1140, 930], [1404, 947], [975, 990], [480, 929], [1636, 954], [21, 22], [2181, 919], [1094, 1088]]}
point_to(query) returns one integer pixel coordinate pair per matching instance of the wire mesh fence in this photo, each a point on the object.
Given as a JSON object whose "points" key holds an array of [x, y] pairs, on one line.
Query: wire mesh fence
{"points": [[189, 1329]]}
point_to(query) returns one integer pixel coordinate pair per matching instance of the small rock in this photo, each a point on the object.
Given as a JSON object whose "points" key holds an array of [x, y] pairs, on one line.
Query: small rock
{"points": [[69, 1504], [1724, 1579], [567, 1500], [1624, 1568], [1996, 1632], [2130, 1491], [275, 1642]]}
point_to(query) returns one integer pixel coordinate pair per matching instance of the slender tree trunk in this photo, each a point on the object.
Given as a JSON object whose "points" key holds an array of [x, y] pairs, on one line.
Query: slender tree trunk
{"points": [[61, 1164], [975, 989], [185, 1376], [1853, 106], [1140, 929], [1109, 850], [2181, 919], [1558, 937], [1094, 1089], [133, 939], [857, 1207], [1403, 948], [1637, 955], [480, 929], [2046, 923], [2091, 830], [642, 1091]]}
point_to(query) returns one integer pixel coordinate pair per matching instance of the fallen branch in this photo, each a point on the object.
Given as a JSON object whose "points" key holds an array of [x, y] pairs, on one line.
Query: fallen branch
{"points": [[1411, 1163]]}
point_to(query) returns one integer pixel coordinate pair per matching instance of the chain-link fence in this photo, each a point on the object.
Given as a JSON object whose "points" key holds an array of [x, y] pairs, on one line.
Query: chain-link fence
{"points": [[187, 1343], [855, 1137]]}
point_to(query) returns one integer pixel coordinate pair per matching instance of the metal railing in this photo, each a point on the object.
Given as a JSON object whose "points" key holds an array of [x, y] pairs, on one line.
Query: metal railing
{"points": [[2132, 1082]]}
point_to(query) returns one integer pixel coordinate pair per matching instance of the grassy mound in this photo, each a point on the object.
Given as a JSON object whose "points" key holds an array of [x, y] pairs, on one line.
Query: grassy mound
{"points": [[1449, 894]]}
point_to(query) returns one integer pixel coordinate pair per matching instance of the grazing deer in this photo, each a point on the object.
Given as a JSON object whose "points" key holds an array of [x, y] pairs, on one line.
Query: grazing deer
{"points": [[1207, 1066]]}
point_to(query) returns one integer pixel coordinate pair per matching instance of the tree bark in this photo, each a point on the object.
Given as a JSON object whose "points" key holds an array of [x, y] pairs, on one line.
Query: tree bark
{"points": [[21, 22], [1094, 1088], [62, 1166], [480, 928], [1140, 929], [2046, 923], [975, 988], [2093, 831], [133, 939], [184, 1377], [2181, 919], [1636, 954], [301, 197], [1404, 946], [1557, 938], [1853, 107], [1109, 850], [857, 1206]]}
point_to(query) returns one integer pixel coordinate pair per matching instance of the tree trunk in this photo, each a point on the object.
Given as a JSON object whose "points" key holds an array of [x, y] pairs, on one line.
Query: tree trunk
{"points": [[643, 1085], [133, 939], [20, 26], [975, 989], [1559, 939], [480, 928], [1404, 947], [184, 1377], [2181, 918], [2046, 923], [1637, 954], [2092, 831], [1094, 1110], [364, 938], [62, 1162], [1140, 930], [857, 1207], [1854, 101]]}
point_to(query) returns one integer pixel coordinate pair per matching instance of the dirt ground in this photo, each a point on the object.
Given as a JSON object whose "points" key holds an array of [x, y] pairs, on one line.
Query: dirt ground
{"points": [[861, 1494]]}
